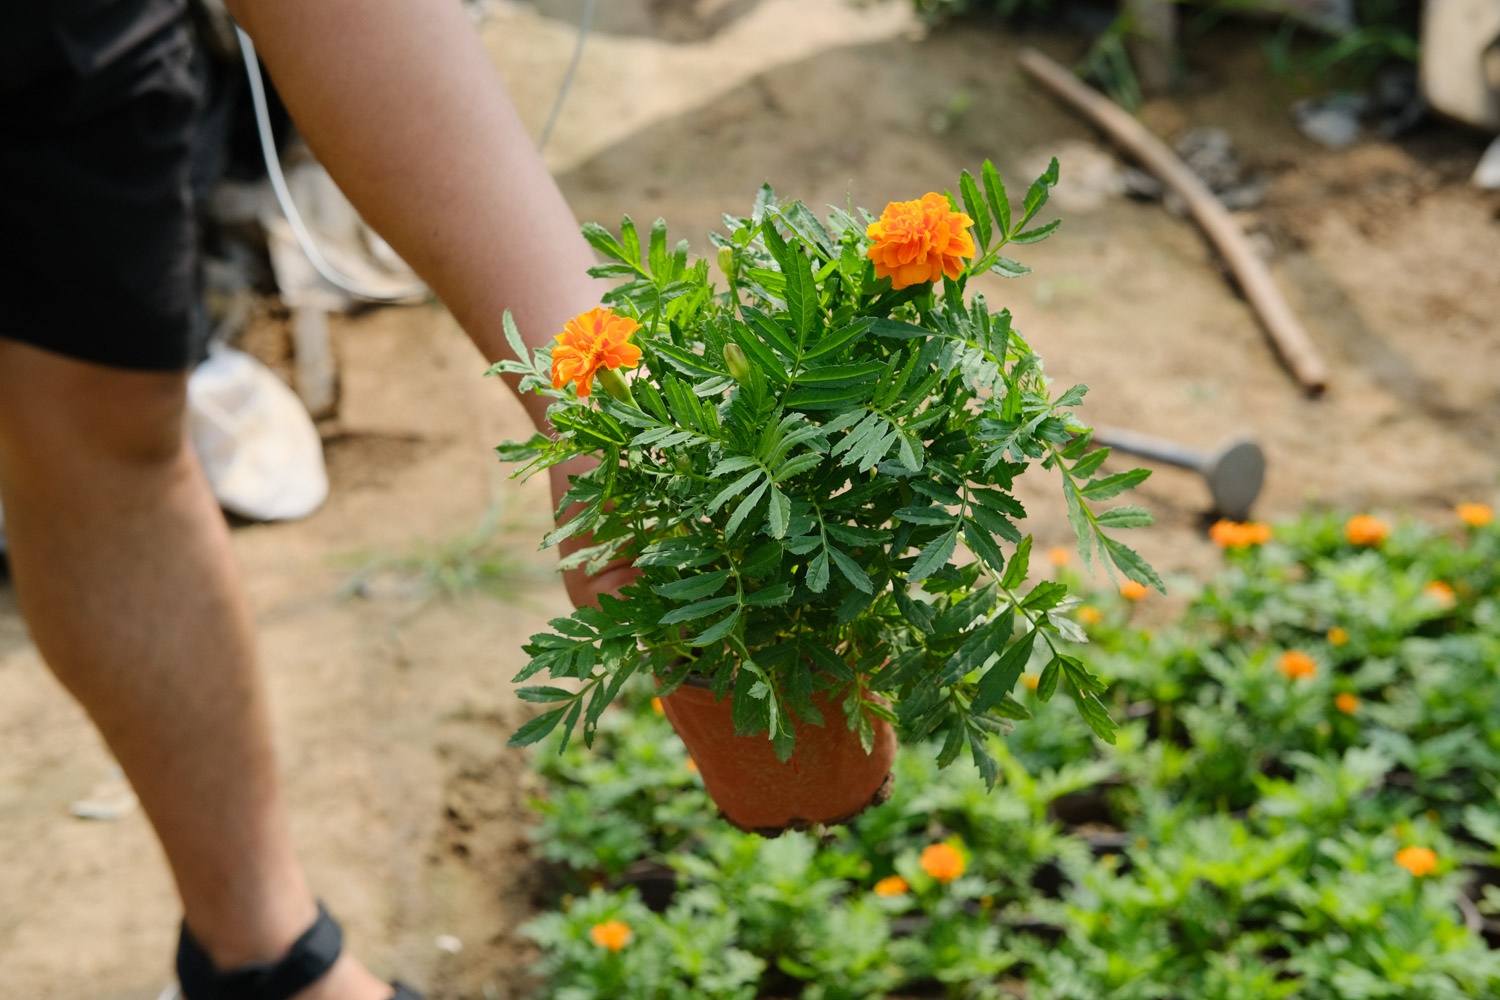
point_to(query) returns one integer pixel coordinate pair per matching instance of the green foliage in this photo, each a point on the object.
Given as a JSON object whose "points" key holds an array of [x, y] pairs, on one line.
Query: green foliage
{"points": [[1238, 842], [838, 513]]}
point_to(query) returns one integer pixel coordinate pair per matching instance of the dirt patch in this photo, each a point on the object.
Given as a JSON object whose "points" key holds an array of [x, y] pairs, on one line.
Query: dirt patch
{"points": [[392, 710]]}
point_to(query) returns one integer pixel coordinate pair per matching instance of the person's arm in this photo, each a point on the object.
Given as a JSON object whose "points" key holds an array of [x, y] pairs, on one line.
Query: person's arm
{"points": [[398, 99]]}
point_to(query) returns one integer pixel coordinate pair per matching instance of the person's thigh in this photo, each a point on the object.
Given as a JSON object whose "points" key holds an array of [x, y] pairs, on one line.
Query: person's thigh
{"points": [[61, 417], [94, 194]]}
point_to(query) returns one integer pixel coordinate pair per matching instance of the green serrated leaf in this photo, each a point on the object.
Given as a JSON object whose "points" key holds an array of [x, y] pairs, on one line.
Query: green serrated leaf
{"points": [[1038, 234], [1085, 466], [1131, 564], [1020, 565], [1047, 683], [716, 631], [745, 507], [733, 463], [1128, 516], [994, 193], [537, 728], [778, 513], [982, 544], [976, 208], [657, 253], [735, 488], [817, 573], [934, 556], [797, 465], [1045, 595], [760, 356], [989, 769], [843, 337], [701, 609], [1036, 195], [631, 240], [1002, 676], [1112, 486], [851, 570], [1007, 268], [694, 587], [544, 693]]}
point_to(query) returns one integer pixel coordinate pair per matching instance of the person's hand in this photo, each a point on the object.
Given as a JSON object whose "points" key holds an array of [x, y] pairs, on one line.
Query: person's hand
{"points": [[584, 589]]}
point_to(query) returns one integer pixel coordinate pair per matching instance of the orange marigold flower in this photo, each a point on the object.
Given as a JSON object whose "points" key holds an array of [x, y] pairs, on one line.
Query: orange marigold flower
{"points": [[917, 241], [1363, 529], [892, 885], [1417, 860], [656, 706], [1224, 533], [1031, 681], [1059, 556], [1338, 636], [596, 339], [1236, 535], [612, 934], [1475, 515], [1132, 591], [1347, 702], [1090, 615], [691, 765], [1296, 665], [1441, 593], [942, 862]]}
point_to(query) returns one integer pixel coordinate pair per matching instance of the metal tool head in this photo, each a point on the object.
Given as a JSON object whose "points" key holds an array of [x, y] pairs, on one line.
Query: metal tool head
{"points": [[1235, 475]]}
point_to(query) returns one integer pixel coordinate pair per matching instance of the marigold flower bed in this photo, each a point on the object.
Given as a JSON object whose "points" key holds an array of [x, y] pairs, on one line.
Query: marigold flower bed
{"points": [[1257, 831]]}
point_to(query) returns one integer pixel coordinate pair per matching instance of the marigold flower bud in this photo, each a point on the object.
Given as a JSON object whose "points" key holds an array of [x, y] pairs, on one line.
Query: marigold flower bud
{"points": [[739, 365], [614, 383], [726, 262]]}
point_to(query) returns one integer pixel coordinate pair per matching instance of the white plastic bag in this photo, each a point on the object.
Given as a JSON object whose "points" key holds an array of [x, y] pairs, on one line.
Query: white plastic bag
{"points": [[258, 446]]}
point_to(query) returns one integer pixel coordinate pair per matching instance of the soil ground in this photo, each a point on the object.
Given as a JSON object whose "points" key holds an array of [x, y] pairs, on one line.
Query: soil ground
{"points": [[392, 705]]}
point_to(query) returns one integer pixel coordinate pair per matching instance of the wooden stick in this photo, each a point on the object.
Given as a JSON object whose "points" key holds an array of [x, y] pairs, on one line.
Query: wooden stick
{"points": [[1286, 333]]}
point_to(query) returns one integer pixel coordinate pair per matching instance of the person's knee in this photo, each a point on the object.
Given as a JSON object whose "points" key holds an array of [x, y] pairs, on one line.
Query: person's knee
{"points": [[53, 409]]}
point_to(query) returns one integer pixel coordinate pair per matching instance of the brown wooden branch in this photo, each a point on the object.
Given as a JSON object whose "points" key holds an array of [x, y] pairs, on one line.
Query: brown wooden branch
{"points": [[1255, 281]]}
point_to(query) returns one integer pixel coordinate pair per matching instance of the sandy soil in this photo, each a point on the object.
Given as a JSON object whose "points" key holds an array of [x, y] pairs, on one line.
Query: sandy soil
{"points": [[392, 709]]}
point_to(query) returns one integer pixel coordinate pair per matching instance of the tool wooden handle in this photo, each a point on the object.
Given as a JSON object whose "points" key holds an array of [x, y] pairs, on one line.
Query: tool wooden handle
{"points": [[1255, 281]]}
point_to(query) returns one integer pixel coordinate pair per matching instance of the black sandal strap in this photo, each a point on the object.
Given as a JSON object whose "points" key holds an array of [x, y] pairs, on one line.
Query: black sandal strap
{"points": [[309, 958]]}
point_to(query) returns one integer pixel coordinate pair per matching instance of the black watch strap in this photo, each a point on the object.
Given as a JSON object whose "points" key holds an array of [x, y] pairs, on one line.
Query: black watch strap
{"points": [[310, 956]]}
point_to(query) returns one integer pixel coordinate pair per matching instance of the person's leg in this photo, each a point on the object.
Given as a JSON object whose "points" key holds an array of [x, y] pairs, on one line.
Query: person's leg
{"points": [[124, 571]]}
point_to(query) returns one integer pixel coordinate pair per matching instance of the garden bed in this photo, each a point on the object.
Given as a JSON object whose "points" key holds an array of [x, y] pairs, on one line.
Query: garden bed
{"points": [[1309, 809]]}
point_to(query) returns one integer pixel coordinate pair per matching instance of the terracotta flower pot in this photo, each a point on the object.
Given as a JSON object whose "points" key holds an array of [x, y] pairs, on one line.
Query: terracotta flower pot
{"points": [[829, 778]]}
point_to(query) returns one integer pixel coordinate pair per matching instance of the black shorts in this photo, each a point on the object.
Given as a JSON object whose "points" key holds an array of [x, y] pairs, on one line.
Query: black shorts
{"points": [[98, 103]]}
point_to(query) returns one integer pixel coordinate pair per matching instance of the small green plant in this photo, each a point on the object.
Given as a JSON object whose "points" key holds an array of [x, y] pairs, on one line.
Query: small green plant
{"points": [[480, 561], [798, 465]]}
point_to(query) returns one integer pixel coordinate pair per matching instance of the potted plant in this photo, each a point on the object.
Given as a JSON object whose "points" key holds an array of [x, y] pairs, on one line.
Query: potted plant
{"points": [[812, 469]]}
